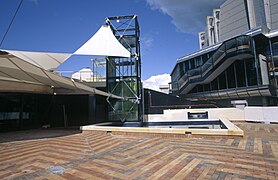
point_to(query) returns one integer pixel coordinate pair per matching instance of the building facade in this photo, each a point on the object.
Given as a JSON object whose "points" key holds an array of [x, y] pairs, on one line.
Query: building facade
{"points": [[211, 34], [243, 65], [235, 17]]}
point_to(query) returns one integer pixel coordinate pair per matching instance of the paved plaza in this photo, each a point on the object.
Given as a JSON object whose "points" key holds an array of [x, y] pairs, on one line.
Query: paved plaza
{"points": [[70, 154]]}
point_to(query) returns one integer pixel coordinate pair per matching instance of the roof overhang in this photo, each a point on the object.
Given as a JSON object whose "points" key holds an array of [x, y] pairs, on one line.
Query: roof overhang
{"points": [[44, 60], [18, 75]]}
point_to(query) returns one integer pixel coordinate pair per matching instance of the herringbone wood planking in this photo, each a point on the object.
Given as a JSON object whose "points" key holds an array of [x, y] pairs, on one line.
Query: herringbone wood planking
{"points": [[96, 155]]}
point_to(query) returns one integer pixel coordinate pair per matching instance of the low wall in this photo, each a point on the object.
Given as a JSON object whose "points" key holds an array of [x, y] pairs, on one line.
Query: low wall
{"points": [[255, 114], [233, 114], [261, 114]]}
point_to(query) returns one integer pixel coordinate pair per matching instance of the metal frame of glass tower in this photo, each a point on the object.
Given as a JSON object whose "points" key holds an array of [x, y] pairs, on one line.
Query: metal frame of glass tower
{"points": [[123, 75]]}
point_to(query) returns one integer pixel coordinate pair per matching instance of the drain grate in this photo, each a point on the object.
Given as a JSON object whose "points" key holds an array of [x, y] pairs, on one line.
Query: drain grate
{"points": [[57, 170]]}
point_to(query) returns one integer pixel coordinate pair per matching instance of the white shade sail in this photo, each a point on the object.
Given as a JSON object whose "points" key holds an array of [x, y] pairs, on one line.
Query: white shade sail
{"points": [[44, 60], [103, 43], [17, 75]]}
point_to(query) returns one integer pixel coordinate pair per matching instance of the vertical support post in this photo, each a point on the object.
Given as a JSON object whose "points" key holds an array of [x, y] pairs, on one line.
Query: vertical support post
{"points": [[245, 72], [235, 74]]}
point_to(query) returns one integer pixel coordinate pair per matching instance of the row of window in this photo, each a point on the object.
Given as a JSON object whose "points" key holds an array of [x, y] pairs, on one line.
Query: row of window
{"points": [[242, 73], [228, 46], [193, 63]]}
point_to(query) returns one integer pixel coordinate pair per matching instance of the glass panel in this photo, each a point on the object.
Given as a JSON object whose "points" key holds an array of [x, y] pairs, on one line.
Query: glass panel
{"points": [[192, 63], [275, 48], [206, 87], [175, 76], [194, 72], [275, 60], [207, 65], [123, 110], [242, 40], [181, 67], [217, 55], [204, 58], [194, 90], [240, 74], [17, 111], [175, 86], [186, 66], [29, 111], [214, 84], [200, 88], [222, 81], [198, 61], [231, 44], [231, 77], [251, 72], [10, 108]]}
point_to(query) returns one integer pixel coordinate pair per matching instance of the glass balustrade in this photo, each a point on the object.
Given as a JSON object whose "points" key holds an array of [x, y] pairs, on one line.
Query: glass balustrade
{"points": [[232, 47]]}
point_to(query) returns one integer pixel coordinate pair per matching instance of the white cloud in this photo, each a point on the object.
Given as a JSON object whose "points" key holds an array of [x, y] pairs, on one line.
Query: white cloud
{"points": [[187, 15], [155, 81], [146, 44], [146, 41]]}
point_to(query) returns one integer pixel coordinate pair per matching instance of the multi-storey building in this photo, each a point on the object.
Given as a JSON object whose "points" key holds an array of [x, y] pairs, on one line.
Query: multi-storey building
{"points": [[242, 64], [211, 34]]}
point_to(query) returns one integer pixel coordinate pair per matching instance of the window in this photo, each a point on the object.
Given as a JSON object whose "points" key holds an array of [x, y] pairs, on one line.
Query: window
{"points": [[222, 80], [175, 76], [240, 73], [217, 14], [275, 48], [214, 84], [194, 90], [251, 72], [181, 67], [186, 64], [206, 87], [211, 21], [231, 77], [205, 58], [192, 63], [203, 36], [200, 88], [198, 61]]}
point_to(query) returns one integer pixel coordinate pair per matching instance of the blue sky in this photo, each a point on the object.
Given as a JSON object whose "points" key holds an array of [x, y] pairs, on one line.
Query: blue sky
{"points": [[168, 27]]}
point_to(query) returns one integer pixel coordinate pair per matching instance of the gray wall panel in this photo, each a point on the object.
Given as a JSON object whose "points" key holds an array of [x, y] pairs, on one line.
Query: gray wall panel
{"points": [[275, 17], [233, 19], [259, 13], [273, 2], [274, 25], [274, 14]]}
